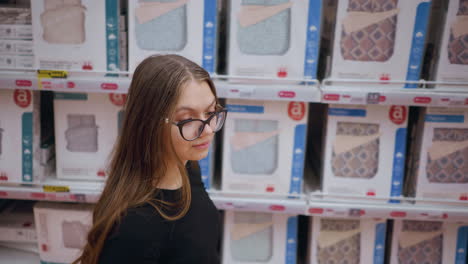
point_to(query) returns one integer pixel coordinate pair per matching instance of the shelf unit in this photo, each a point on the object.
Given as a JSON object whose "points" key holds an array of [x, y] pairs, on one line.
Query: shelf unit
{"points": [[314, 204], [254, 88]]}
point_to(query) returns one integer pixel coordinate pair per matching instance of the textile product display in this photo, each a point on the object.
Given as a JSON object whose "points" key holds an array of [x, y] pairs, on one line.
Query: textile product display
{"points": [[63, 22], [61, 230], [264, 27], [369, 30], [254, 146], [161, 25], [420, 242], [339, 241], [82, 133], [458, 42], [74, 234], [356, 150], [447, 157], [252, 237]]}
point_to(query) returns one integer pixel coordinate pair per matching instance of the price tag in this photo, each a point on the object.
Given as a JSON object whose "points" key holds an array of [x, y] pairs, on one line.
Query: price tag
{"points": [[53, 188], [373, 98], [240, 92], [50, 74]]}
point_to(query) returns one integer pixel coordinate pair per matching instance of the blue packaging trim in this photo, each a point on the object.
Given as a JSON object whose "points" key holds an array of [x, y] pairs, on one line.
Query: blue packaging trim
{"points": [[27, 146], [398, 171], [312, 39], [291, 241], [209, 35], [417, 44], [112, 35], [462, 245], [379, 247], [298, 154]]}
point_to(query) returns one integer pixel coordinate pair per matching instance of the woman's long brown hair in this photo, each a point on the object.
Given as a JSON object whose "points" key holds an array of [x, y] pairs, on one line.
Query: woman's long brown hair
{"points": [[143, 150]]}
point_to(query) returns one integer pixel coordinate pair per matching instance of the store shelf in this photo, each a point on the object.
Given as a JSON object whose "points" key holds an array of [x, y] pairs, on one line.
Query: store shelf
{"points": [[388, 93], [268, 89], [406, 209], [227, 86], [315, 204]]}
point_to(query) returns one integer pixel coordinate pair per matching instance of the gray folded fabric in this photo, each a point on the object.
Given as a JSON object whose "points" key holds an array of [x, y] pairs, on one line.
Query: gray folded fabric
{"points": [[165, 33], [268, 37], [260, 158], [257, 247], [82, 133]]}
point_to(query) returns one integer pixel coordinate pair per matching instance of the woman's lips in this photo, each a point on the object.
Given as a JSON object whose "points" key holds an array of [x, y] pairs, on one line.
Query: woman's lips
{"points": [[202, 145]]}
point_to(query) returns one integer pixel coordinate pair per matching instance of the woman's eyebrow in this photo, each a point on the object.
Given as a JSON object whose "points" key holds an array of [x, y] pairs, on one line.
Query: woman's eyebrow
{"points": [[188, 108]]}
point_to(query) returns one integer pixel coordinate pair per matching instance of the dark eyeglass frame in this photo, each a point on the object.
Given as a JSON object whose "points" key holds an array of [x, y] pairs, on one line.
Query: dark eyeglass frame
{"points": [[206, 122]]}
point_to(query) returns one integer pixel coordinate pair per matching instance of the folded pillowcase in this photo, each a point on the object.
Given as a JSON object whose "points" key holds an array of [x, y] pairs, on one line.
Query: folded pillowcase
{"points": [[252, 237], [339, 241], [356, 150], [420, 242], [254, 146], [74, 234], [447, 159], [458, 40], [82, 133], [264, 27], [161, 25], [63, 22], [369, 30]]}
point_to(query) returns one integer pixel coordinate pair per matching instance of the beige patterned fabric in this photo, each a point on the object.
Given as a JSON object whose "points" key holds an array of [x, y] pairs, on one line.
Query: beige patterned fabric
{"points": [[344, 251], [63, 22], [362, 160], [428, 251], [458, 42], [447, 160], [376, 41]]}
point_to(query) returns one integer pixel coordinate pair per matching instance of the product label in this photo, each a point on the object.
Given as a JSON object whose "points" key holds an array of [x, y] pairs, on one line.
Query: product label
{"points": [[253, 109], [346, 112], [71, 96], [22, 98], [445, 118], [398, 114], [296, 110]]}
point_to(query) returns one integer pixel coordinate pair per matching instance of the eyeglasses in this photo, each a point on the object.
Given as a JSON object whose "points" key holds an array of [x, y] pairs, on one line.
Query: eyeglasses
{"points": [[191, 129]]}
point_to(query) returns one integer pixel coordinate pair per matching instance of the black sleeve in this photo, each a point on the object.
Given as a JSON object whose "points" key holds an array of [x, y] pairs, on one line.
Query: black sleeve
{"points": [[137, 239]]}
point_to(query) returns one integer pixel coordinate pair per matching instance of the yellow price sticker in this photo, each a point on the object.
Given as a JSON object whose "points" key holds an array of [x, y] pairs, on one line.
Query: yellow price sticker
{"points": [[50, 74], [53, 188]]}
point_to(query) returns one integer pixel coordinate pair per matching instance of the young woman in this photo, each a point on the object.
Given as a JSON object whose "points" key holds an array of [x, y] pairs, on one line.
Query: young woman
{"points": [[154, 208]]}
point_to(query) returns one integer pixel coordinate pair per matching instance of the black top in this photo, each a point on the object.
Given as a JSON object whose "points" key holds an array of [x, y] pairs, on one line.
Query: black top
{"points": [[143, 236]]}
